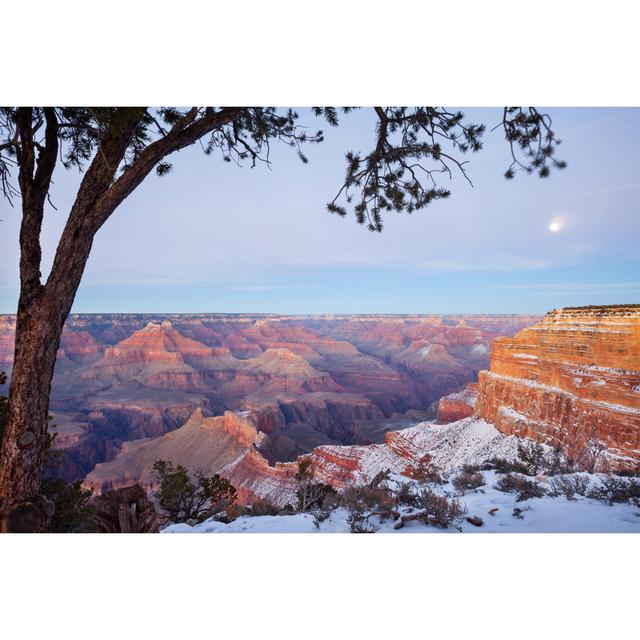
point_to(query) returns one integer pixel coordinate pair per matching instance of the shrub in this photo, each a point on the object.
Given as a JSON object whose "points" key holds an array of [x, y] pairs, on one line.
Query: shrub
{"points": [[615, 489], [311, 494], [368, 506], [73, 509], [532, 457], [407, 495], [263, 507], [502, 465], [378, 499], [569, 486], [525, 489], [428, 472], [362, 523], [234, 511], [558, 463], [191, 500], [439, 510], [592, 457], [468, 479]]}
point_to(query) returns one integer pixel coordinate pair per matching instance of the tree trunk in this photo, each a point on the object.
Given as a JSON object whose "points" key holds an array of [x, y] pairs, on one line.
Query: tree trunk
{"points": [[38, 331]]}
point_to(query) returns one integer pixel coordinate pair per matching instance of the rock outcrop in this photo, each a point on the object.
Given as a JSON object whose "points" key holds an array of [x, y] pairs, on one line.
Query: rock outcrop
{"points": [[202, 444], [571, 381], [457, 405], [448, 446]]}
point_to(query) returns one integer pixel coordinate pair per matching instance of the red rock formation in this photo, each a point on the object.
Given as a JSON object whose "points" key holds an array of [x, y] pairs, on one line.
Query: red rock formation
{"points": [[204, 444], [253, 478], [572, 381], [79, 346], [448, 446], [458, 405]]}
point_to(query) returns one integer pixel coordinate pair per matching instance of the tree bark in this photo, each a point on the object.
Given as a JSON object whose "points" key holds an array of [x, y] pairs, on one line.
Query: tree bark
{"points": [[22, 456]]}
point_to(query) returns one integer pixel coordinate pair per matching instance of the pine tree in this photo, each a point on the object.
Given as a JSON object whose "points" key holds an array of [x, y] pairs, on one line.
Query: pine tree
{"points": [[188, 499]]}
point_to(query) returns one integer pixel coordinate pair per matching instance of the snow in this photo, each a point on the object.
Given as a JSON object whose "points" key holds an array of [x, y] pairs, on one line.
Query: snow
{"points": [[468, 441], [479, 350], [540, 515], [525, 356], [513, 414], [466, 395]]}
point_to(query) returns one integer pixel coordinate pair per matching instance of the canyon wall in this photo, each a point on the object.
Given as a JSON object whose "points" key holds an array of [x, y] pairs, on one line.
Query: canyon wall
{"points": [[571, 381]]}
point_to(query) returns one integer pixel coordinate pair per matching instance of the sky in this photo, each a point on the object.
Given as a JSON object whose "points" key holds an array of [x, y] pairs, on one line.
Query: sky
{"points": [[215, 237]]}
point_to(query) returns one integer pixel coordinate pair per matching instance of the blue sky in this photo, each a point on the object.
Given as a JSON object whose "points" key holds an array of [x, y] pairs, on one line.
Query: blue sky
{"points": [[212, 237]]}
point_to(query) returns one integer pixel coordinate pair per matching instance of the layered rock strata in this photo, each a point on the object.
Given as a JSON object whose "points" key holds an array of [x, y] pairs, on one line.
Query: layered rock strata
{"points": [[571, 381], [202, 444]]}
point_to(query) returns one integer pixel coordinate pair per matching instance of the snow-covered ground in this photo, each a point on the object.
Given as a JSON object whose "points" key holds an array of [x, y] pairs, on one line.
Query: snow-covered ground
{"points": [[538, 515]]}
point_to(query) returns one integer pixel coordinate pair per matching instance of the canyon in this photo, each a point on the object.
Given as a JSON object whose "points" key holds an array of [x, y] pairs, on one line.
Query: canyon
{"points": [[303, 381], [251, 397], [570, 381]]}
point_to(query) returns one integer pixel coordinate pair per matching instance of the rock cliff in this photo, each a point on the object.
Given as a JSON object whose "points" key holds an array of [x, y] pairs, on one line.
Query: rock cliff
{"points": [[572, 381], [457, 405]]}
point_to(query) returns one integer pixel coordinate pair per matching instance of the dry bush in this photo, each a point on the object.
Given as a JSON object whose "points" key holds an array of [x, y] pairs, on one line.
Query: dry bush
{"points": [[263, 507], [559, 464], [368, 507], [469, 479], [439, 510], [428, 472], [532, 457], [126, 510], [362, 523], [525, 489], [232, 512], [593, 456], [407, 495], [569, 486], [379, 499], [502, 465], [616, 489]]}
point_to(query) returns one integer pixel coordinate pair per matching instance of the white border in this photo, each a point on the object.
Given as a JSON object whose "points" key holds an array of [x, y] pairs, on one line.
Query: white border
{"points": [[335, 52], [286, 52], [497, 586]]}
